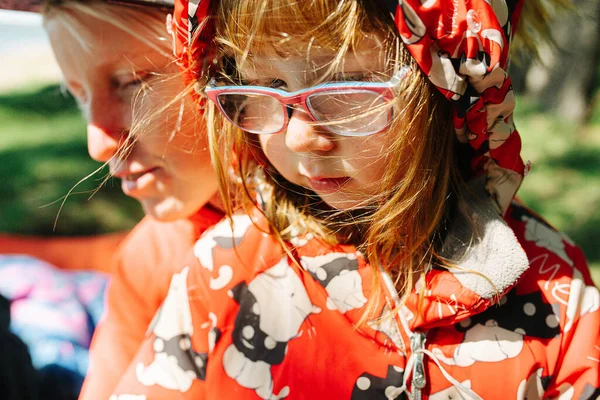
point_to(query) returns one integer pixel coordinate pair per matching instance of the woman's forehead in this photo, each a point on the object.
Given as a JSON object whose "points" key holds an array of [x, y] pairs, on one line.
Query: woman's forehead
{"points": [[100, 45]]}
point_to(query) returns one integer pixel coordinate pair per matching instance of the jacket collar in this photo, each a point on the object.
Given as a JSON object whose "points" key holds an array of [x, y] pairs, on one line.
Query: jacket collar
{"points": [[489, 261]]}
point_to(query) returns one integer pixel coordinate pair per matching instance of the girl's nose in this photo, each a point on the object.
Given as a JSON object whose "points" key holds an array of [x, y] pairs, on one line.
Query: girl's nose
{"points": [[105, 130], [303, 135]]}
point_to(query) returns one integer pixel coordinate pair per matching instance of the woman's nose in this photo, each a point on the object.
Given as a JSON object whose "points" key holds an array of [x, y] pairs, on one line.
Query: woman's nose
{"points": [[105, 130], [102, 143], [303, 135]]}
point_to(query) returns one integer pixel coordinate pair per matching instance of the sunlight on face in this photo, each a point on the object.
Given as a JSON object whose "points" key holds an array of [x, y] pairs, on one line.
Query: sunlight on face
{"points": [[168, 168], [344, 171]]}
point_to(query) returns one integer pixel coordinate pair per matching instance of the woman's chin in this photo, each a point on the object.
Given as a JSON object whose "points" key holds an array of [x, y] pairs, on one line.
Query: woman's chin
{"points": [[165, 209]]}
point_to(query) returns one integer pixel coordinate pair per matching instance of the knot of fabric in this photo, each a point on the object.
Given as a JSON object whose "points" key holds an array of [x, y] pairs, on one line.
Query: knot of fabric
{"points": [[192, 34], [463, 47]]}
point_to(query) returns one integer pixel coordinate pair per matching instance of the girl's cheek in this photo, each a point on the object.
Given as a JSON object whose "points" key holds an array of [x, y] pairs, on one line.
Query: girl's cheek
{"points": [[264, 145], [273, 147], [263, 142]]}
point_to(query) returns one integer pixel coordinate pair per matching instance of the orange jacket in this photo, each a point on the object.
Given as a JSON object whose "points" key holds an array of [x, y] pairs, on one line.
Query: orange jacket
{"points": [[519, 320], [143, 267]]}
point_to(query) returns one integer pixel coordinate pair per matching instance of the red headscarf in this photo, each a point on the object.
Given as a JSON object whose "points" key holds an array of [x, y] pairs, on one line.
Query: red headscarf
{"points": [[192, 35], [461, 45]]}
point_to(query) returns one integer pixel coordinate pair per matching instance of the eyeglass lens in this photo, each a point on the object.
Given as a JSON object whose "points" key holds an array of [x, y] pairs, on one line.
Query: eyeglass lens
{"points": [[350, 113], [347, 113], [254, 113]]}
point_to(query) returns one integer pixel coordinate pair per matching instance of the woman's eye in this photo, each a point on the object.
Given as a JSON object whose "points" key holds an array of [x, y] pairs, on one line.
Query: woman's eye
{"points": [[132, 81], [135, 82]]}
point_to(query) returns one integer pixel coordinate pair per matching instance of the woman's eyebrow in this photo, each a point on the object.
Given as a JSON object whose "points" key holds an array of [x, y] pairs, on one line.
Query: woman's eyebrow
{"points": [[142, 60]]}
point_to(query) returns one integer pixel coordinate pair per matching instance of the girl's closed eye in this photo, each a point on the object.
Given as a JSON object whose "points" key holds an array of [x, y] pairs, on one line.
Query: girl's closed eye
{"points": [[360, 76], [350, 77], [273, 83]]}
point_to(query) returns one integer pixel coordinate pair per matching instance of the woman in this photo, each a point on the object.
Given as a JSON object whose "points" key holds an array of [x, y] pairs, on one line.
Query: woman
{"points": [[107, 53]]}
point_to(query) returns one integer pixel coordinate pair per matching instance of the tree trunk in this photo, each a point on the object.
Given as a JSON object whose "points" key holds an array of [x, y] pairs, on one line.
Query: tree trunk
{"points": [[565, 80]]}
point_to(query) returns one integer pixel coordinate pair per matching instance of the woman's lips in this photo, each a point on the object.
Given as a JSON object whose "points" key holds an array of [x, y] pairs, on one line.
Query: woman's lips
{"points": [[327, 185], [135, 184]]}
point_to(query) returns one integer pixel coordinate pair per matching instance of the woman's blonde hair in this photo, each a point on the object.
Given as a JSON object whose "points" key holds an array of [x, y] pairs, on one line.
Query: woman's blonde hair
{"points": [[146, 25], [401, 229]]}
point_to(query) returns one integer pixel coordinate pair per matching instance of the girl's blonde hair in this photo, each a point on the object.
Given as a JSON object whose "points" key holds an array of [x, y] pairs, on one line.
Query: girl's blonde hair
{"points": [[402, 228]]}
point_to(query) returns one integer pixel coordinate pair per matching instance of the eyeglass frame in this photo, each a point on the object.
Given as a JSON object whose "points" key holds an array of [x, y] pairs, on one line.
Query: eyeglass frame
{"points": [[299, 97]]}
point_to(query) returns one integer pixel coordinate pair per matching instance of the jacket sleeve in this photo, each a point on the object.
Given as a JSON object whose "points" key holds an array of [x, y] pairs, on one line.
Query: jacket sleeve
{"points": [[142, 272], [171, 361], [577, 373], [182, 355], [117, 336]]}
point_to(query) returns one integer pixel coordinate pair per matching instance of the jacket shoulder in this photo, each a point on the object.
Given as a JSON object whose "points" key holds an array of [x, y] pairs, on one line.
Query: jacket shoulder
{"points": [[551, 253]]}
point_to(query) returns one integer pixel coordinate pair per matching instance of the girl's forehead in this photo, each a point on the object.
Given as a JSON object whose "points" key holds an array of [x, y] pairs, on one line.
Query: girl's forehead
{"points": [[312, 48], [309, 57]]}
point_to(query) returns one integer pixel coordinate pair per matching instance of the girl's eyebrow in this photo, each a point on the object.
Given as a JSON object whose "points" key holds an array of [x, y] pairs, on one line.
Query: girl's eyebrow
{"points": [[248, 74]]}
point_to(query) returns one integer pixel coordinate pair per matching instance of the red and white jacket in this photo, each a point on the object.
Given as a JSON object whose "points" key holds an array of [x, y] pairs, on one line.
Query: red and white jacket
{"points": [[244, 321]]}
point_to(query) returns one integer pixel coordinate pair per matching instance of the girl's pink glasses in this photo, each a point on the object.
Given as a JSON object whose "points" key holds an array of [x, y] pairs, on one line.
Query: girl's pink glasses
{"points": [[344, 108]]}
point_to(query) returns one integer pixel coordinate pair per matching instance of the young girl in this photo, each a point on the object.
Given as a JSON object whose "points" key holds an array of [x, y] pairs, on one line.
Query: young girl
{"points": [[385, 258]]}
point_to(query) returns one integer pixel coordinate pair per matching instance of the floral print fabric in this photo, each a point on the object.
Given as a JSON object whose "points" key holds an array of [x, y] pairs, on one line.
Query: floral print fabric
{"points": [[244, 321], [463, 47]]}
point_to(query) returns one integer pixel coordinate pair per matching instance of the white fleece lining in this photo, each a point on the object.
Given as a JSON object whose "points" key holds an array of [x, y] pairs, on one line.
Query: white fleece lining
{"points": [[484, 246]]}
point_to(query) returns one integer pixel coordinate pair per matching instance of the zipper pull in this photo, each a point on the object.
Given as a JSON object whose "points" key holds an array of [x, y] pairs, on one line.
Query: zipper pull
{"points": [[417, 342]]}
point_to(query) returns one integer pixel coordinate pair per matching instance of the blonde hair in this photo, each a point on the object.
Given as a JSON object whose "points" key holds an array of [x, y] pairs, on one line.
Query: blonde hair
{"points": [[147, 26], [415, 190]]}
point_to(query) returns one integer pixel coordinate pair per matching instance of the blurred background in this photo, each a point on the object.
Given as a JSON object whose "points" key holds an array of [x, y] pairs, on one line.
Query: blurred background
{"points": [[43, 152]]}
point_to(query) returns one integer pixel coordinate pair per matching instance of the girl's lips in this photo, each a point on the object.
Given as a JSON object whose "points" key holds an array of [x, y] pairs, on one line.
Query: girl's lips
{"points": [[327, 185]]}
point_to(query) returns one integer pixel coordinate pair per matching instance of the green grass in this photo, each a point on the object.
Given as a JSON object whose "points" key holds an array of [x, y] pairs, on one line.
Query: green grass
{"points": [[564, 183], [43, 153]]}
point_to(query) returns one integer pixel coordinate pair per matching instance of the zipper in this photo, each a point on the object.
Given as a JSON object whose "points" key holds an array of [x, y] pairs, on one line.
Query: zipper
{"points": [[417, 342]]}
